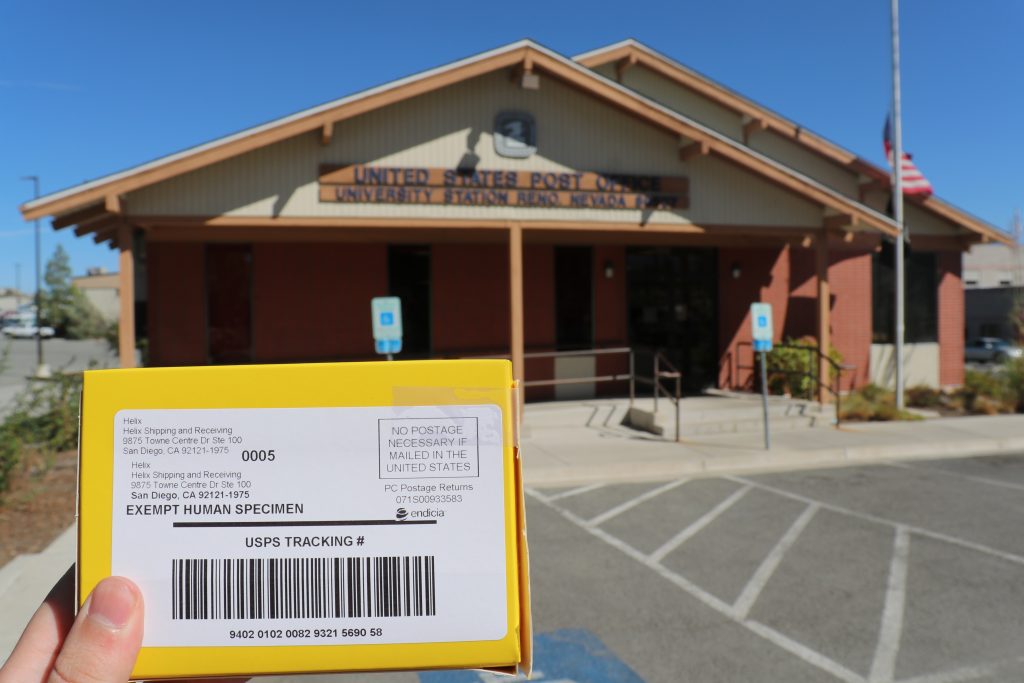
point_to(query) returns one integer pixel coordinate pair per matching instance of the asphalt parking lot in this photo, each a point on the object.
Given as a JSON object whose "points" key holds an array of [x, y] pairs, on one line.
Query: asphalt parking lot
{"points": [[909, 573], [882, 573], [18, 358]]}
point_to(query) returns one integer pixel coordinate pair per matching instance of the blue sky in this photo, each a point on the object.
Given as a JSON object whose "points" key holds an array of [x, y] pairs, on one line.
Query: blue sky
{"points": [[89, 88]]}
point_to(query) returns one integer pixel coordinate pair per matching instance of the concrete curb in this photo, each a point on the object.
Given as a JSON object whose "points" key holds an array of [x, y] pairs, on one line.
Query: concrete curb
{"points": [[746, 461]]}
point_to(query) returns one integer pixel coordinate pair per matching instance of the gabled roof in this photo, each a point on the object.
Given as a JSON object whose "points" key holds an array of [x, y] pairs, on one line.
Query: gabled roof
{"points": [[97, 200], [630, 51]]}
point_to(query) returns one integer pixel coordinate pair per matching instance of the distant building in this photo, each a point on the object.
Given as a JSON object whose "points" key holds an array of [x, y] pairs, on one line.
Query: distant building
{"points": [[993, 284], [11, 298], [102, 289]]}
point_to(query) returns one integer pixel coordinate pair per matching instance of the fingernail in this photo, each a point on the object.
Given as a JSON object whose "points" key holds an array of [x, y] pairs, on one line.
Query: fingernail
{"points": [[113, 602]]}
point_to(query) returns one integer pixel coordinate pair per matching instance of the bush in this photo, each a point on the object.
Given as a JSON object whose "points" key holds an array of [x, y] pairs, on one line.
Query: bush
{"points": [[873, 403], [792, 370], [989, 393], [44, 421], [923, 396]]}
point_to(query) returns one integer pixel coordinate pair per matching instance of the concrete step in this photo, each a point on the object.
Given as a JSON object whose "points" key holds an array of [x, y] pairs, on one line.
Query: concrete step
{"points": [[711, 415]]}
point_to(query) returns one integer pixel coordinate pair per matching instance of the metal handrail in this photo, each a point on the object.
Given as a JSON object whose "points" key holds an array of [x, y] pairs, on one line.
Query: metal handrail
{"points": [[816, 354], [658, 374], [660, 360]]}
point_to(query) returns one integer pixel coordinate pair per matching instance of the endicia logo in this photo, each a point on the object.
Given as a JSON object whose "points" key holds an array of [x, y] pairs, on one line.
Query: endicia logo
{"points": [[401, 513]]}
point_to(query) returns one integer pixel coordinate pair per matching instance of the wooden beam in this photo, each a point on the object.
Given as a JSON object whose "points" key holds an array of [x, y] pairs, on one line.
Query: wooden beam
{"points": [[824, 315], [515, 263], [126, 324], [80, 216], [752, 126], [694, 149], [837, 222], [105, 233], [326, 133], [112, 203], [95, 226], [625, 64]]}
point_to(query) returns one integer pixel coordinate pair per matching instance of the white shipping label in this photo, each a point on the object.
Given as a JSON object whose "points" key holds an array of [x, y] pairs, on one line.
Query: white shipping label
{"points": [[312, 526]]}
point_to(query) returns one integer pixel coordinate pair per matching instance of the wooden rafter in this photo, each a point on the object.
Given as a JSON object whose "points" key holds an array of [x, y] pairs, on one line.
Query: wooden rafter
{"points": [[753, 126], [624, 65], [80, 216], [326, 133], [694, 149]]}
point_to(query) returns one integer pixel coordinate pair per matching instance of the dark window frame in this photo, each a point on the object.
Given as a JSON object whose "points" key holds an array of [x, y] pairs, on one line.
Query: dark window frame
{"points": [[920, 296]]}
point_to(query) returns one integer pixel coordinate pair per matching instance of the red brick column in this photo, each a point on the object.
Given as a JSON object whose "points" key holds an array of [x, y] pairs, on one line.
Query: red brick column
{"points": [[951, 319]]}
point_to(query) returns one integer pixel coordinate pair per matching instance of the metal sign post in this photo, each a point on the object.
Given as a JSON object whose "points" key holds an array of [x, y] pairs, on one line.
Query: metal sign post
{"points": [[761, 326], [386, 316]]}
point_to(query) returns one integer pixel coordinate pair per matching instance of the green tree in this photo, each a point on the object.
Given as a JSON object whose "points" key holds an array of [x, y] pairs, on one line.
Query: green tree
{"points": [[65, 307]]}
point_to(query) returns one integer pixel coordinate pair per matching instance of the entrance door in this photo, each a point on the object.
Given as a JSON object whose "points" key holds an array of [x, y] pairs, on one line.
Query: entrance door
{"points": [[574, 320], [409, 280], [229, 302], [673, 306]]}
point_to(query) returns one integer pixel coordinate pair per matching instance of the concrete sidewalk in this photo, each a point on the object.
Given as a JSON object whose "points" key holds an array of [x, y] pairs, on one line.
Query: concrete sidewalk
{"points": [[566, 444]]}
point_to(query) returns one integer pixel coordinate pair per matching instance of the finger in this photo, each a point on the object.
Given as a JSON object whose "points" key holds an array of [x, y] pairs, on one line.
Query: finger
{"points": [[33, 656], [105, 638]]}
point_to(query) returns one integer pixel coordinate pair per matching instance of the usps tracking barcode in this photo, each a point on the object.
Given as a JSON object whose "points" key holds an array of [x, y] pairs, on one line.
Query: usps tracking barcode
{"points": [[303, 588]]}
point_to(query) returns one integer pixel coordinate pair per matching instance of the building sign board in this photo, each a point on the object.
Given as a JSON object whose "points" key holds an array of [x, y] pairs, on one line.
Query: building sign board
{"points": [[761, 326], [362, 184], [386, 316]]}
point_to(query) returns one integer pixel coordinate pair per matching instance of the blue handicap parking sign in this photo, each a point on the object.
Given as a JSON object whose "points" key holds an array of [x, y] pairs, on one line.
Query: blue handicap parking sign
{"points": [[762, 321], [564, 656], [387, 318]]}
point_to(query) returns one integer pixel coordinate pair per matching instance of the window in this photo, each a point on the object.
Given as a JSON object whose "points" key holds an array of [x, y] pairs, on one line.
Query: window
{"points": [[573, 299], [920, 296]]}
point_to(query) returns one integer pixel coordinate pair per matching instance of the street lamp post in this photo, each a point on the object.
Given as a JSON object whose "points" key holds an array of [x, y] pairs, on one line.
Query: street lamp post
{"points": [[42, 370]]}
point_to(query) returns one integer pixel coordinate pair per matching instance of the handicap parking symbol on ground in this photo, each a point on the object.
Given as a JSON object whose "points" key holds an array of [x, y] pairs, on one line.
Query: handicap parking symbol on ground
{"points": [[563, 656]]}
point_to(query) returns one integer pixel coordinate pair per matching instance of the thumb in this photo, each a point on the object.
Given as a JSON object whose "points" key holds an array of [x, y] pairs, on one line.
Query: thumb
{"points": [[105, 638]]}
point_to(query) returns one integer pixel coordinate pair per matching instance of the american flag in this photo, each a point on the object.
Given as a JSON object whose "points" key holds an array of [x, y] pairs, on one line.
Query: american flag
{"points": [[914, 183]]}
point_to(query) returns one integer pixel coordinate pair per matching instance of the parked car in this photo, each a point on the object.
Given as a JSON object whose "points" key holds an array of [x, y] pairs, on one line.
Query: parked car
{"points": [[24, 328], [991, 349]]}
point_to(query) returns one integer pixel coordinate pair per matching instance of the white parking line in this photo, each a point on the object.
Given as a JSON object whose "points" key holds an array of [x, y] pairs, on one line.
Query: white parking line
{"points": [[760, 579], [969, 673], [695, 528], [780, 640], [958, 475], [919, 531], [630, 504], [575, 492], [883, 668], [803, 652]]}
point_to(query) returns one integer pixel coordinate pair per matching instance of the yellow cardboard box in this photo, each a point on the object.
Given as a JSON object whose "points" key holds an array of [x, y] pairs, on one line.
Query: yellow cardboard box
{"points": [[310, 518]]}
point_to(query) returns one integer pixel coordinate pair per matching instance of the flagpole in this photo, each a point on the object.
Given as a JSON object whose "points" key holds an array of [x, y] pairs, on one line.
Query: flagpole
{"points": [[896, 164]]}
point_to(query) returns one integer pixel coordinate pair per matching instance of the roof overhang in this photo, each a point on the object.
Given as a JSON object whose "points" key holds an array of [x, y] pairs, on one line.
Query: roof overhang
{"points": [[96, 204], [632, 52]]}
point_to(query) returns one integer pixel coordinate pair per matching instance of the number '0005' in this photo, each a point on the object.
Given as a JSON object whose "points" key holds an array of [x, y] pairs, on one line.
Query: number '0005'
{"points": [[258, 456]]}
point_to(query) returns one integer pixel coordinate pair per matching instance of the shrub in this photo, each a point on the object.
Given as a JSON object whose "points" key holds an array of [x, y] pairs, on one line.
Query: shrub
{"points": [[792, 370], [923, 396], [989, 393], [44, 421], [873, 403]]}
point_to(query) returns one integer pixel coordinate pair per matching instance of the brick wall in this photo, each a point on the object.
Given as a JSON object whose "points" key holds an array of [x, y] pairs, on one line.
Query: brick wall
{"points": [[849, 275], [951, 319], [177, 306], [764, 276], [611, 326], [312, 301], [470, 298]]}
